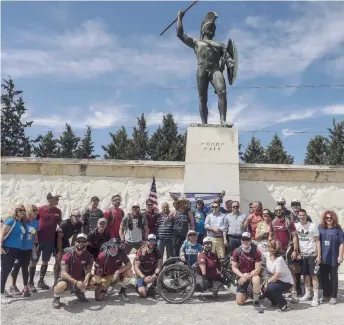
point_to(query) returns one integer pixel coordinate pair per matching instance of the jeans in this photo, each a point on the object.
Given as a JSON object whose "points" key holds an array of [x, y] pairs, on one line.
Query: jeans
{"points": [[234, 242], [329, 280], [177, 242], [275, 290], [165, 243], [24, 257], [7, 262]]}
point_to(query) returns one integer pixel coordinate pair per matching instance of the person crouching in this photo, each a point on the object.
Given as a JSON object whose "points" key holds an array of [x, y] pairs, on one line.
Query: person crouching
{"points": [[75, 261], [208, 276], [246, 265], [112, 264], [190, 248]]}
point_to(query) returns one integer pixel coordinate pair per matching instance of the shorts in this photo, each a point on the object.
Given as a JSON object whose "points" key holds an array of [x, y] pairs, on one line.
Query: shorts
{"points": [[140, 283], [243, 289], [70, 287], [218, 246], [129, 246], [46, 249], [289, 260], [308, 265]]}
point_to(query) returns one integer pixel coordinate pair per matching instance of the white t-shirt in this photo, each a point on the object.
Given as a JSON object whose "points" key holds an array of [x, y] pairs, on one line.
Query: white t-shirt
{"points": [[306, 235], [278, 265]]}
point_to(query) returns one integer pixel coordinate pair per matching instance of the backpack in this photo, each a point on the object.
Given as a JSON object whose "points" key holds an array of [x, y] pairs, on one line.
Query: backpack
{"points": [[112, 217], [14, 224], [287, 223], [128, 224], [254, 251]]}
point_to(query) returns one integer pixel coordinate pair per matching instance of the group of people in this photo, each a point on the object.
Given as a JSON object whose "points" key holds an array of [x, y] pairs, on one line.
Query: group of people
{"points": [[269, 251]]}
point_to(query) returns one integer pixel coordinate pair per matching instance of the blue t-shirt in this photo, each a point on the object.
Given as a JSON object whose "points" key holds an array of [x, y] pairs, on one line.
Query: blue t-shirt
{"points": [[15, 238], [191, 251], [29, 237], [331, 239], [199, 218]]}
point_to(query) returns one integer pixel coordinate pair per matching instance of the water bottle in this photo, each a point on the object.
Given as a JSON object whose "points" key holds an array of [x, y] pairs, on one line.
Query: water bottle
{"points": [[316, 269]]}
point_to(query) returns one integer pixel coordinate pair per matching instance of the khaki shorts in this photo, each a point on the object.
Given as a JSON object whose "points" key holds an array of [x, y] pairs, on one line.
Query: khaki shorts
{"points": [[104, 280], [218, 246]]}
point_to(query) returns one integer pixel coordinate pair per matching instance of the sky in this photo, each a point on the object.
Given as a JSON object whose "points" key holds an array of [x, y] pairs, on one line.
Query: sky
{"points": [[104, 63]]}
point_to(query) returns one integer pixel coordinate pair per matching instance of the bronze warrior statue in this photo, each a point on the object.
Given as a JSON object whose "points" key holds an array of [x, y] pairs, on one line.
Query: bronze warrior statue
{"points": [[213, 57]]}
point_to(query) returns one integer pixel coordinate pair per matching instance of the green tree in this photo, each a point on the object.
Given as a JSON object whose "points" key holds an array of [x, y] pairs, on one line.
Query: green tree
{"points": [[166, 144], [14, 142], [86, 146], [317, 151], [254, 153], [275, 153], [68, 143], [139, 142], [120, 146], [47, 146], [336, 144]]}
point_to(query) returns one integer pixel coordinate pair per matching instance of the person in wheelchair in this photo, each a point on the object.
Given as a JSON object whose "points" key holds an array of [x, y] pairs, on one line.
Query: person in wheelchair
{"points": [[190, 248], [208, 276], [112, 265], [247, 265], [147, 267]]}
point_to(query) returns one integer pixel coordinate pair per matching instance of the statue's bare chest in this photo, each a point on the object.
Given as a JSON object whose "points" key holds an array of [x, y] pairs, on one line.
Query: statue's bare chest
{"points": [[208, 49]]}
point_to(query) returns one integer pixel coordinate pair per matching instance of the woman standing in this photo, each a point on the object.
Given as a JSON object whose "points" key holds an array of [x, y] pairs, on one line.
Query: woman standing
{"points": [[280, 279], [262, 231], [11, 238], [24, 255], [332, 248]]}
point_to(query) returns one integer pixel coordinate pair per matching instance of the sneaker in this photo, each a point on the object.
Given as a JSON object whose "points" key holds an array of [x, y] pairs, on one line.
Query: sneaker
{"points": [[42, 285], [5, 299], [7, 295], [56, 303], [284, 308], [333, 301], [123, 295], [15, 291], [315, 302], [32, 287], [26, 292], [287, 295], [294, 299], [306, 297], [81, 296]]}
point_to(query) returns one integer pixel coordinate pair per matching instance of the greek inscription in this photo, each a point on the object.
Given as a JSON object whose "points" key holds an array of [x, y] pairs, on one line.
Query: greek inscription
{"points": [[212, 146]]}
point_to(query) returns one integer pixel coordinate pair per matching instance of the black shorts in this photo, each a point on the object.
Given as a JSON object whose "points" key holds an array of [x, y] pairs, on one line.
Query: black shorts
{"points": [[243, 289], [308, 265], [46, 249]]}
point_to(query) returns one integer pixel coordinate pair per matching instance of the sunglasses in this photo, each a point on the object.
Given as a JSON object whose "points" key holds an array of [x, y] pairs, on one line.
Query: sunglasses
{"points": [[102, 223], [328, 218], [21, 210], [193, 235], [81, 241], [215, 206], [245, 239], [235, 206], [278, 210], [151, 241], [149, 205], [266, 214]]}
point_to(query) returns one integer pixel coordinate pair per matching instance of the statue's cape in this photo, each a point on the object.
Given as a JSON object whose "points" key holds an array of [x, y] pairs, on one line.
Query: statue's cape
{"points": [[233, 52]]}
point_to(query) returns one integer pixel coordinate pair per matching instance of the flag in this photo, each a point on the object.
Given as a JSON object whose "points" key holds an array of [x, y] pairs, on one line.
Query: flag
{"points": [[153, 195], [208, 198]]}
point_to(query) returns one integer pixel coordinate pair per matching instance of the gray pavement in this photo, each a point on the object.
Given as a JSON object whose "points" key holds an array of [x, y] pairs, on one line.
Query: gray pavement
{"points": [[37, 310]]}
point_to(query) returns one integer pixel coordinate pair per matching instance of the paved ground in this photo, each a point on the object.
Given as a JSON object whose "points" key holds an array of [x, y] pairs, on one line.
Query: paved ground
{"points": [[37, 310]]}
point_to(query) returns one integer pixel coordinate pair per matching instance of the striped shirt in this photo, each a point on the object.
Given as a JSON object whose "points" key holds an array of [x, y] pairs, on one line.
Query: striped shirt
{"points": [[164, 226]]}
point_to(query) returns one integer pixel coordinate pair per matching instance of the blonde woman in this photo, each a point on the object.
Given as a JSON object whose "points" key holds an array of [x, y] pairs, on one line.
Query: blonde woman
{"points": [[24, 255], [11, 239], [262, 230]]}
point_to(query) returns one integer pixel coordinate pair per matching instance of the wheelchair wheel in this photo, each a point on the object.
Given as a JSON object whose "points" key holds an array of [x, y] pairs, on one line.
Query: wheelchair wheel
{"points": [[176, 283]]}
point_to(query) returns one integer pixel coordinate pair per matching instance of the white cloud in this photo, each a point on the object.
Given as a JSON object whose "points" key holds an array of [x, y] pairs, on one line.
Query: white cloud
{"points": [[287, 132], [254, 21], [334, 110]]}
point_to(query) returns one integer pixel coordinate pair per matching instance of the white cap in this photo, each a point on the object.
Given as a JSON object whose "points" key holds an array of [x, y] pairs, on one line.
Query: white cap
{"points": [[281, 199], [151, 237], [207, 240], [295, 201], [81, 236], [246, 235], [191, 232]]}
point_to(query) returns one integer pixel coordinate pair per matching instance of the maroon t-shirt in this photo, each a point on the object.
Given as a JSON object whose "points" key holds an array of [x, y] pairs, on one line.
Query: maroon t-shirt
{"points": [[246, 261], [107, 265], [152, 219], [148, 260], [114, 217], [77, 263], [280, 230], [210, 260], [49, 219]]}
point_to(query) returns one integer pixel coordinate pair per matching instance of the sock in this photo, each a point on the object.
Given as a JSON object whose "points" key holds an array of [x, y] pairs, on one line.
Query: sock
{"points": [[316, 294], [256, 297], [308, 291], [298, 281], [32, 272], [44, 269]]}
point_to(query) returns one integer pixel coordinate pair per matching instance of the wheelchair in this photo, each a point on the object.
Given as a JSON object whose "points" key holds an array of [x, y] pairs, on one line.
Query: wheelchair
{"points": [[177, 281]]}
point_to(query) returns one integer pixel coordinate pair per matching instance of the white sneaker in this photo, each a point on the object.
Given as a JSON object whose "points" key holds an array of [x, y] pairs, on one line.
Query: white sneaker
{"points": [[333, 301], [4, 299], [305, 297], [315, 302], [294, 299]]}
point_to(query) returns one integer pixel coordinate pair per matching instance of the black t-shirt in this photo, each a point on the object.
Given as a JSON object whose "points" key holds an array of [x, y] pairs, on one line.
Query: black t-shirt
{"points": [[69, 230], [96, 239]]}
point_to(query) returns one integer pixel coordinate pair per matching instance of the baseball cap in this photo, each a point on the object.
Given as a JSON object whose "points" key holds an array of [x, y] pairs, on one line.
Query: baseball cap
{"points": [[149, 201], [83, 236], [102, 220], [151, 237], [246, 235], [281, 199], [135, 205], [295, 201], [199, 199], [51, 195], [193, 232], [206, 240]]}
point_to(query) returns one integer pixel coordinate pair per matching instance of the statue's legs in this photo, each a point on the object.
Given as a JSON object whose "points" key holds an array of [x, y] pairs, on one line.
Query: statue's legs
{"points": [[202, 85], [219, 83]]}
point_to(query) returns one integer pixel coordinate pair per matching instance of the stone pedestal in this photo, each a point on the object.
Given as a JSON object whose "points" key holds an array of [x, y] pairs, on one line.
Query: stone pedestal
{"points": [[212, 160]]}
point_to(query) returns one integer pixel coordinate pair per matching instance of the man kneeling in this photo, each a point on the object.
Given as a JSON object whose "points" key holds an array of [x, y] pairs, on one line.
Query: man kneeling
{"points": [[208, 276], [247, 264], [111, 265], [147, 266], [74, 263]]}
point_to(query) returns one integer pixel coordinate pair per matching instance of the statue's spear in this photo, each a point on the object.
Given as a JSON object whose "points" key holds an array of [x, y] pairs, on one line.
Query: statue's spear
{"points": [[177, 18]]}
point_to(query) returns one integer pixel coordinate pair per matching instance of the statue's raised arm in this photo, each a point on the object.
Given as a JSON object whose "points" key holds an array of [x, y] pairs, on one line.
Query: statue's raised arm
{"points": [[189, 41]]}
